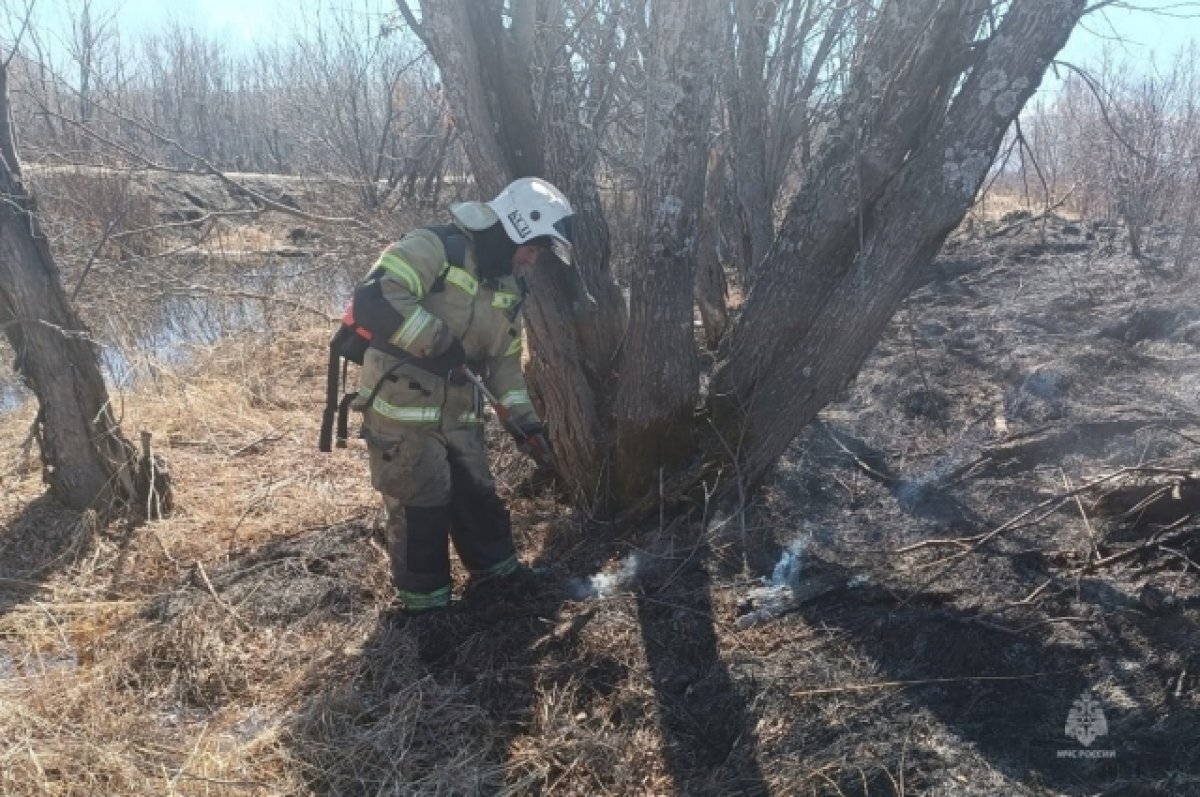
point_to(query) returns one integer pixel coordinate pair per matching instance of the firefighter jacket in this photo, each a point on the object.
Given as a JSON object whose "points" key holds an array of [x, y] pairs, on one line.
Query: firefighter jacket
{"points": [[437, 302]]}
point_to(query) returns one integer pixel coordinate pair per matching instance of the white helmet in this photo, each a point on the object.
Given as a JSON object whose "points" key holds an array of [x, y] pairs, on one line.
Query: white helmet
{"points": [[530, 208]]}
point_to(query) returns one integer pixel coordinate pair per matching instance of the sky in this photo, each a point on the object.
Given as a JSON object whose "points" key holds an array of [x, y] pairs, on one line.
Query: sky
{"points": [[251, 20], [1140, 35], [1146, 36], [235, 22]]}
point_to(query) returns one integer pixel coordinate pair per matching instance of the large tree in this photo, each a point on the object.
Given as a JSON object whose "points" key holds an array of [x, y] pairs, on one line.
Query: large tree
{"points": [[925, 97], [657, 395], [495, 62], [87, 462]]}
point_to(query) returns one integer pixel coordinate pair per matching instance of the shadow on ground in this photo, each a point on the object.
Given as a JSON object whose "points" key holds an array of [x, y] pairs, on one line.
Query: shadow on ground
{"points": [[626, 693], [945, 690], [863, 689], [42, 539]]}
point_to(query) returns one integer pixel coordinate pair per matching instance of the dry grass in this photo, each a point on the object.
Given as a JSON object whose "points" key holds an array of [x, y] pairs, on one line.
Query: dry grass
{"points": [[103, 690], [237, 647]]}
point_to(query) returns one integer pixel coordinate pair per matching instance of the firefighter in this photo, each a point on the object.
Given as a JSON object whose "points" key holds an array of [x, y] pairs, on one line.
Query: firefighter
{"points": [[422, 417]]}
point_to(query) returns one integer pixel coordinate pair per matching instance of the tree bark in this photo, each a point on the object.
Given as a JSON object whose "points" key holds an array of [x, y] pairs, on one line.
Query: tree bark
{"points": [[659, 385], [746, 96], [844, 260], [711, 286], [574, 328], [574, 316], [86, 461], [448, 28]]}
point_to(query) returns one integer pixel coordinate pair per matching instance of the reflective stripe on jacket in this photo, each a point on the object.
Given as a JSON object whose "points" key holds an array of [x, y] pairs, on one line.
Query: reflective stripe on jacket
{"points": [[438, 300]]}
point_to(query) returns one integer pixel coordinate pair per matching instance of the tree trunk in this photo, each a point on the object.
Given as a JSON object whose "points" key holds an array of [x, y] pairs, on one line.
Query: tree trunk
{"points": [[894, 173], [659, 385], [574, 316], [575, 328], [711, 287], [746, 96], [876, 207], [86, 460], [449, 30]]}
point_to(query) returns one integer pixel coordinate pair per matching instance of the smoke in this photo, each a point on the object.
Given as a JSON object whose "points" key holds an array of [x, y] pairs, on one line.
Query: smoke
{"points": [[605, 584], [779, 591], [786, 574]]}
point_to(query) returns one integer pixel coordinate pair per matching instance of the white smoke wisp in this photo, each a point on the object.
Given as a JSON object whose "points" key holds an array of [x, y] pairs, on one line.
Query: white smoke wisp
{"points": [[778, 591], [791, 562], [605, 584]]}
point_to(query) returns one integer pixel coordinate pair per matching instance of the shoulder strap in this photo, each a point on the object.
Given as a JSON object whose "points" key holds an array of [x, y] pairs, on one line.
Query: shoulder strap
{"points": [[453, 241], [455, 244]]}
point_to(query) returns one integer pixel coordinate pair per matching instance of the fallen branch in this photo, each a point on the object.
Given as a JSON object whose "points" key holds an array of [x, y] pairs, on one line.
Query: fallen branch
{"points": [[991, 626], [220, 602], [1030, 219], [835, 690], [973, 542], [1039, 444], [870, 461], [1158, 540]]}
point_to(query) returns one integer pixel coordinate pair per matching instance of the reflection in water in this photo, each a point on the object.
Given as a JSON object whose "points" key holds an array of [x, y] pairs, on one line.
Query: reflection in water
{"points": [[168, 329]]}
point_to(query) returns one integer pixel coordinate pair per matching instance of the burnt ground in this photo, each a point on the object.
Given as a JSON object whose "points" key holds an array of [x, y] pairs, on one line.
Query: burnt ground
{"points": [[995, 527]]}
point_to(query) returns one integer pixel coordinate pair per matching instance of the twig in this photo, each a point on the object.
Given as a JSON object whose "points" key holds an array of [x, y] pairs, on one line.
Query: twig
{"points": [[163, 546], [974, 542], [91, 261], [269, 437], [916, 354], [84, 606], [1154, 541], [1028, 599], [1095, 88], [203, 290], [1180, 555], [190, 223], [835, 690], [16, 582], [1030, 219], [1094, 553], [220, 602], [1050, 620]]}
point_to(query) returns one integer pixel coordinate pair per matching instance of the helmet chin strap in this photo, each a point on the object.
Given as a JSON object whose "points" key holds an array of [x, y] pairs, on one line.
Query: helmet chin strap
{"points": [[494, 252]]}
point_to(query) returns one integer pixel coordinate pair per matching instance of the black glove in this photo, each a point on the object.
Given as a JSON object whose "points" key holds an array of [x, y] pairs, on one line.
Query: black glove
{"points": [[449, 360], [533, 443], [529, 430]]}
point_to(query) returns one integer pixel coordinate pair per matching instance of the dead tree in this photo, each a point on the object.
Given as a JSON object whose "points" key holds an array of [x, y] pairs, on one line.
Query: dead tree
{"points": [[87, 462]]}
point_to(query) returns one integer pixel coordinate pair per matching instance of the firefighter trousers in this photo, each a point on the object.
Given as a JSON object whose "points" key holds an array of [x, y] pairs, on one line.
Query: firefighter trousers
{"points": [[437, 489]]}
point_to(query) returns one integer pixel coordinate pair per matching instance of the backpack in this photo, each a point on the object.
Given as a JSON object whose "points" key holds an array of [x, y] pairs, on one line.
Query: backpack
{"points": [[365, 322]]}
